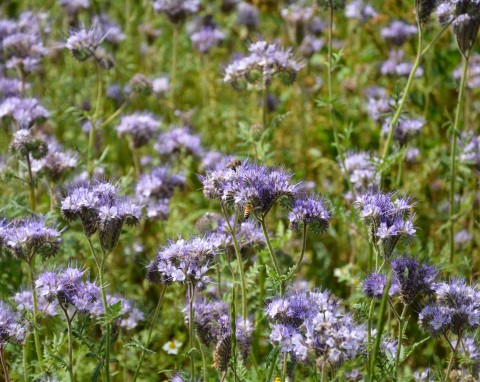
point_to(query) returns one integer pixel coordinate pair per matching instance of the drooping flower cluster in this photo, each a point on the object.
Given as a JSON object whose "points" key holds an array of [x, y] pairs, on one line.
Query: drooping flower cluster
{"points": [[404, 130], [23, 239], [361, 169], [309, 210], [455, 309], [68, 288], [264, 61], [99, 207], [177, 10], [155, 190], [55, 163], [184, 261], [398, 32], [129, 316], [213, 323], [12, 328], [141, 127], [249, 185], [179, 140], [312, 324], [388, 220]]}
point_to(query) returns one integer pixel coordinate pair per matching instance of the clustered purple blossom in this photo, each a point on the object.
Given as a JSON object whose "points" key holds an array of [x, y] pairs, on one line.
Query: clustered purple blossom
{"points": [[360, 166], [398, 32], [154, 190], [68, 288], [212, 320], [297, 13], [455, 309], [309, 210], [110, 29], [395, 65], [388, 220], [140, 126], [11, 87], [313, 324], [55, 163], [179, 140], [24, 302], [310, 45], [99, 207], [129, 316], [463, 237], [184, 261], [473, 74], [12, 328], [359, 10], [248, 15], [177, 10], [264, 61], [378, 103], [25, 238], [24, 112], [207, 37], [26, 143], [73, 7], [469, 149], [405, 129], [249, 184]]}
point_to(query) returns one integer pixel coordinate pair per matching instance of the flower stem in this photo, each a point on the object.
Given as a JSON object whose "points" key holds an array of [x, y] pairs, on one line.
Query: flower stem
{"points": [[36, 335], [284, 370], [304, 245], [204, 360], [461, 94], [271, 251], [93, 122], [173, 72], [31, 184], [264, 103], [150, 330], [25, 361], [4, 364], [191, 324], [452, 357], [101, 276], [401, 322], [70, 343]]}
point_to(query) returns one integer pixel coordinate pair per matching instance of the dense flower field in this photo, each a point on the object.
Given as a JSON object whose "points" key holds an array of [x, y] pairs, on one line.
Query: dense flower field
{"points": [[232, 190]]}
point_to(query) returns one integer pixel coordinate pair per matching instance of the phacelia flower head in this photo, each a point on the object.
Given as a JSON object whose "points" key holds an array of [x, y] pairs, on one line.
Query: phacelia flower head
{"points": [[405, 129], [111, 30], [469, 149], [177, 10], [179, 140], [184, 261], [26, 144], [309, 210], [413, 278], [265, 60], [374, 285], [360, 10], [456, 309], [360, 166], [248, 15], [24, 112], [100, 207], [28, 237], [83, 43], [388, 220], [207, 37], [55, 163], [24, 303], [12, 328], [129, 316], [473, 74], [398, 32], [396, 65], [141, 127]]}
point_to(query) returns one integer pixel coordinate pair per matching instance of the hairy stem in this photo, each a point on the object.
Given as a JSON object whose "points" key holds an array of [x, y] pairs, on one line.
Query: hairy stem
{"points": [[150, 331], [93, 122], [191, 296], [101, 275], [452, 357], [264, 103], [401, 323], [271, 251], [70, 343], [36, 335], [31, 184], [4, 364], [453, 153]]}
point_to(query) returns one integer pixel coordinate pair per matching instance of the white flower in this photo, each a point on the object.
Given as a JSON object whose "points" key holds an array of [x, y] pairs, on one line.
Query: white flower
{"points": [[172, 347]]}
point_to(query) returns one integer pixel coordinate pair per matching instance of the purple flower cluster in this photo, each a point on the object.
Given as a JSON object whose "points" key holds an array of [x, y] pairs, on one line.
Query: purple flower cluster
{"points": [[99, 207], [11, 87], [398, 32], [24, 112], [141, 127], [309, 210], [207, 37], [68, 288], [473, 75], [84, 42], [264, 61], [73, 7], [360, 166], [26, 143], [388, 220], [250, 185], [154, 190], [359, 10], [55, 163], [12, 328], [248, 15], [313, 324], [212, 321], [405, 129], [395, 65], [24, 302], [184, 261], [28, 237], [177, 10], [456, 309], [378, 103], [297, 13], [129, 316], [179, 140], [111, 31], [469, 149]]}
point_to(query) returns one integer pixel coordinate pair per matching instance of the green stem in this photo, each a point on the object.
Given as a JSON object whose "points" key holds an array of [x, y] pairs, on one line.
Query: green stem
{"points": [[93, 122], [4, 364], [150, 331], [452, 357], [400, 106], [173, 72], [101, 275], [264, 103], [70, 343], [36, 335], [304, 245], [135, 159], [25, 361], [271, 251], [284, 370], [401, 322], [204, 360], [190, 328], [453, 154], [31, 184]]}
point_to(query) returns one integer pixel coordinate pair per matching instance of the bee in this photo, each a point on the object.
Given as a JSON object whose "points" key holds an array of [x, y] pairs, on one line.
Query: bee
{"points": [[247, 210], [234, 164]]}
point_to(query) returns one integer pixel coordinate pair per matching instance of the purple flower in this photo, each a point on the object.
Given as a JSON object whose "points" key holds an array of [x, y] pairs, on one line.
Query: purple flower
{"points": [[11, 87], [84, 42], [405, 129], [359, 10], [248, 15], [396, 66], [99, 207], [178, 140], [25, 112], [374, 285], [469, 149], [26, 238], [398, 32], [309, 210], [55, 163], [473, 75], [111, 30], [177, 10], [24, 302], [207, 37], [360, 166], [129, 315], [141, 127], [12, 328], [73, 7]]}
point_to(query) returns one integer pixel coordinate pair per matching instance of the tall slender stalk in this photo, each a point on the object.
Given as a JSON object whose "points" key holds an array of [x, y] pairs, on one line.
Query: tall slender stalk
{"points": [[191, 296], [25, 361], [401, 322], [452, 357], [284, 369], [101, 276], [4, 364], [150, 331], [173, 72], [453, 152], [264, 103], [270, 250], [204, 360], [31, 184], [70, 342], [36, 335], [304, 245], [93, 122]]}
